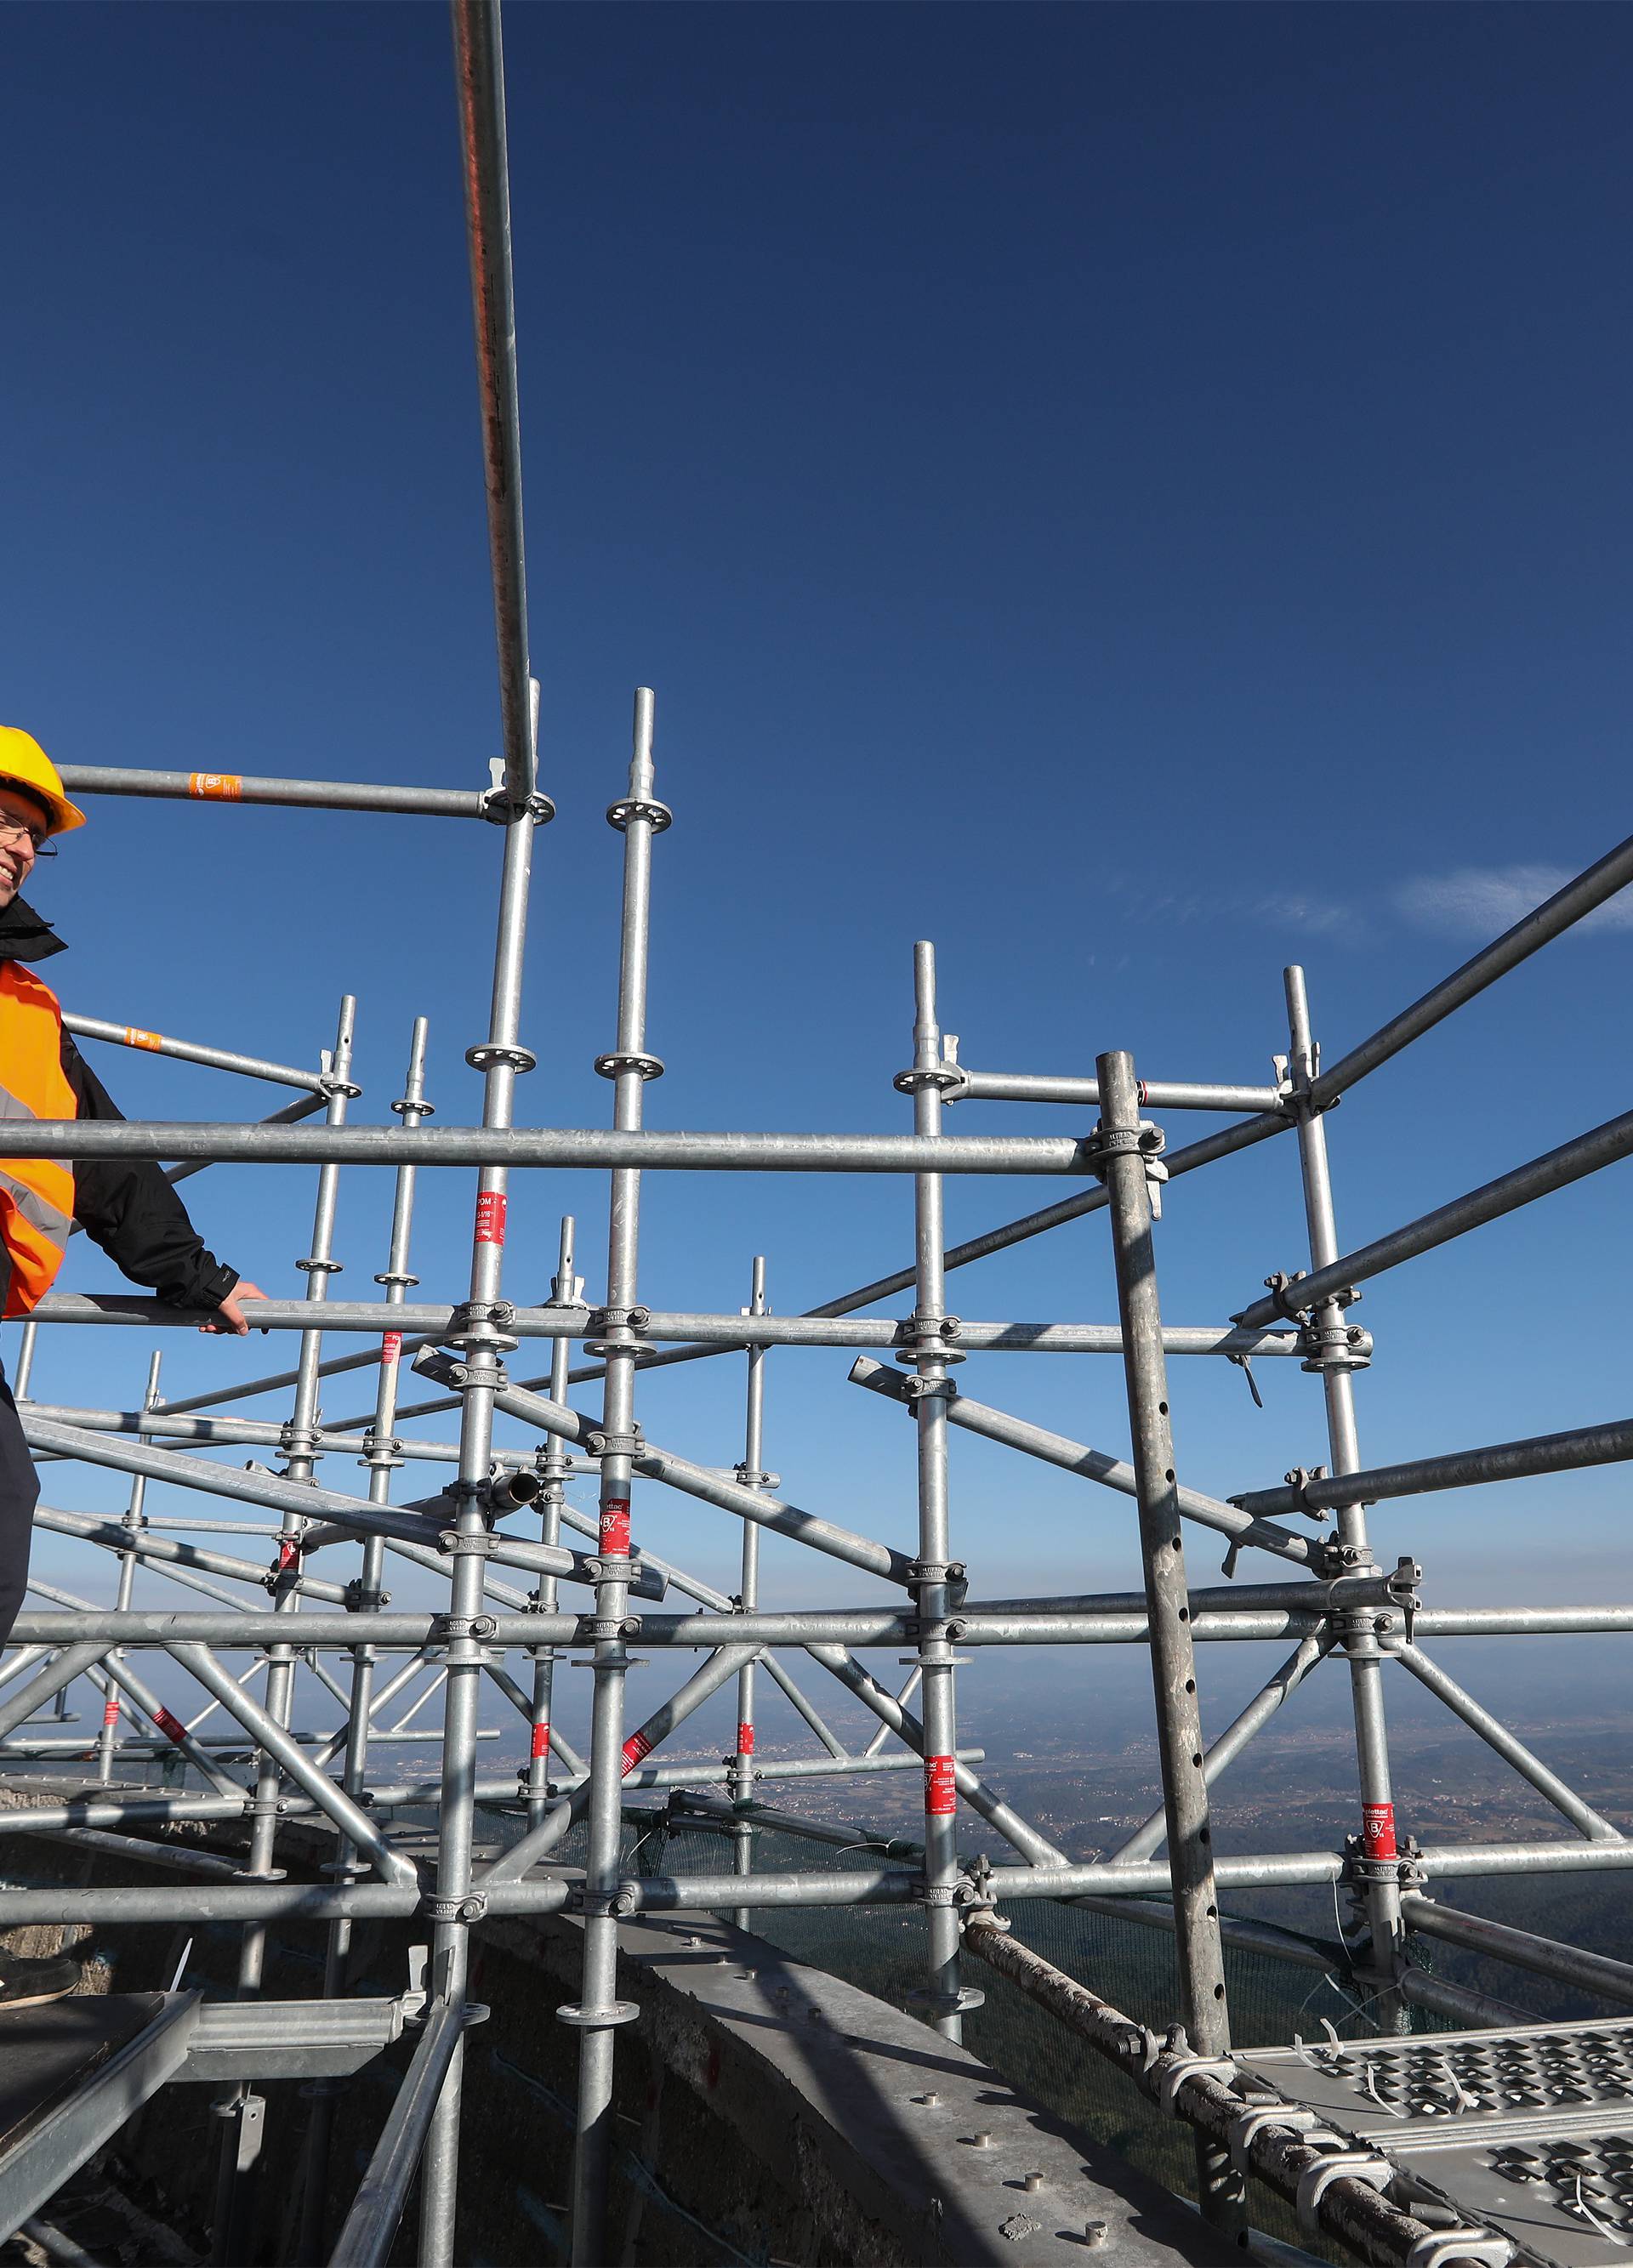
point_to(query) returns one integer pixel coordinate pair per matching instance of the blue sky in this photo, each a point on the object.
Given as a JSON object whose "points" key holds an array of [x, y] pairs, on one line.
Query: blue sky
{"points": [[1137, 496]]}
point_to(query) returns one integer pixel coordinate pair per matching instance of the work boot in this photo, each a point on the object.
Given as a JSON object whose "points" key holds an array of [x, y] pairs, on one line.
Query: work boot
{"points": [[26, 1983]]}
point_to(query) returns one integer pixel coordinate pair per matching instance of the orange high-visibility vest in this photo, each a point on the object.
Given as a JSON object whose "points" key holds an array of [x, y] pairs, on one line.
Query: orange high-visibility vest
{"points": [[36, 1194]]}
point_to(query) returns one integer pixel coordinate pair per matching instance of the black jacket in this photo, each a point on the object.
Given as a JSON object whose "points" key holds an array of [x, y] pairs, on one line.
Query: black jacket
{"points": [[124, 1205]]}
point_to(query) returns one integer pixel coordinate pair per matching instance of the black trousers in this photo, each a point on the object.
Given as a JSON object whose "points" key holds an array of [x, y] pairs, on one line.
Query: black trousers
{"points": [[19, 1492]]}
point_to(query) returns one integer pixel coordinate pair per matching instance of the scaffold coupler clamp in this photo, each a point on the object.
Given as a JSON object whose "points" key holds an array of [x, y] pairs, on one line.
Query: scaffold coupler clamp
{"points": [[500, 806], [599, 1444], [1176, 2068], [382, 1452], [469, 1908], [975, 1898], [1334, 1345], [1341, 2165], [483, 1328], [1443, 2247], [948, 1075], [1245, 2129], [460, 1637], [927, 1573], [285, 1573], [928, 1338], [611, 1331], [1146, 1141], [360, 1600]]}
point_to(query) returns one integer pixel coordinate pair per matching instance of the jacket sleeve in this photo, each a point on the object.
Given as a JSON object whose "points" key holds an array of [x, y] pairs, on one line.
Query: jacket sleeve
{"points": [[127, 1206]]}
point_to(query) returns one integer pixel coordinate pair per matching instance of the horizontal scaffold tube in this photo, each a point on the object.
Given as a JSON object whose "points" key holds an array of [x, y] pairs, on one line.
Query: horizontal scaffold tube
{"points": [[692, 1893], [577, 1147], [243, 787], [1501, 1461], [1593, 1972], [425, 1320], [303, 1499], [859, 1627], [239, 1433], [1154, 1093], [129, 1035], [1092, 1464], [113, 1538]]}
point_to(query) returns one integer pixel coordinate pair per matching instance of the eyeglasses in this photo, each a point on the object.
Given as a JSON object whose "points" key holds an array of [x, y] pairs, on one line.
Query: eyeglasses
{"points": [[19, 831]]}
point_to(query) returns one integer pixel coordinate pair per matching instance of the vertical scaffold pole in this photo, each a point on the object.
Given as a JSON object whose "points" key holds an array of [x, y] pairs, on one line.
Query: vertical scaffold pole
{"points": [[564, 1293], [382, 1458], [243, 2110], [934, 1570], [1173, 1659], [1332, 1357], [479, 85], [598, 2011], [481, 1341], [753, 1475], [133, 1520]]}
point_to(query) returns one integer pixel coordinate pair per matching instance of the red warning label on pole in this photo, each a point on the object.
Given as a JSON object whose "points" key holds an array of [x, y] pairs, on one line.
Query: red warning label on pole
{"points": [[745, 1740], [216, 787], [941, 1789], [288, 1554], [636, 1749], [110, 1712], [541, 1740], [614, 1528], [391, 1346], [172, 1727], [1378, 1830], [490, 1207]]}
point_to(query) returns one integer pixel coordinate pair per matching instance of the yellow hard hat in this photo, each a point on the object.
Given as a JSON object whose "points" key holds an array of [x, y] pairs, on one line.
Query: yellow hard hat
{"points": [[25, 764]]}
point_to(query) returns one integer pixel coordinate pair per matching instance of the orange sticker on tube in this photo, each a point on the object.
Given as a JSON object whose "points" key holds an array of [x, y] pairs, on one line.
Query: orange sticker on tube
{"points": [[139, 1039], [216, 787]]}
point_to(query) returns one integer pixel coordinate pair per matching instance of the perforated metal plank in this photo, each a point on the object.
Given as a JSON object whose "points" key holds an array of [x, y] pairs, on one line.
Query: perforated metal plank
{"points": [[1566, 2198], [1534, 2078]]}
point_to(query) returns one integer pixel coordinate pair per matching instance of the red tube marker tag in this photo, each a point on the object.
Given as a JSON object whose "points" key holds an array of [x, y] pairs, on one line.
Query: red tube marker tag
{"points": [[541, 1740], [614, 1528], [1378, 1830], [941, 1790], [110, 1712], [391, 1346], [745, 1740], [636, 1749], [490, 1207], [172, 1727]]}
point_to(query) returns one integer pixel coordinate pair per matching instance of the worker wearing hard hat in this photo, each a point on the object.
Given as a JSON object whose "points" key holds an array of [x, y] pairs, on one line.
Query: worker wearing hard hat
{"points": [[126, 1206]]}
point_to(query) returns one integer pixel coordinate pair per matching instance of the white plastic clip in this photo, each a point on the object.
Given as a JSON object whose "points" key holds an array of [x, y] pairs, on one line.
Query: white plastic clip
{"points": [[1448, 2244], [1344, 2165], [1177, 2069]]}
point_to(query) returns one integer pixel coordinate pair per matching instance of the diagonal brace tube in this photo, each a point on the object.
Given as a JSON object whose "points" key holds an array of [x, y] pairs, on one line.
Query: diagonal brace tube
{"points": [[271, 1735]]}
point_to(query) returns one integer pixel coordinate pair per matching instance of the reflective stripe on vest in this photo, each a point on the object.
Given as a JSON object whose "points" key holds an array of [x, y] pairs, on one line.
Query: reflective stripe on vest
{"points": [[36, 1194]]}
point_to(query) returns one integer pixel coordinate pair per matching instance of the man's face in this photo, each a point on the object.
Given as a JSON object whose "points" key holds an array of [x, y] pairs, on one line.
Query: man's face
{"points": [[22, 829]]}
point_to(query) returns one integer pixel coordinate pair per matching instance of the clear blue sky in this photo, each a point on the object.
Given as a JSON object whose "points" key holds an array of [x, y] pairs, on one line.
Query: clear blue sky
{"points": [[1136, 494]]}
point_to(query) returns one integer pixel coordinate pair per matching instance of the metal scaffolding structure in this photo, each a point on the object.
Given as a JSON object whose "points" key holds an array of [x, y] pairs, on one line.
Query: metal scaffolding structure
{"points": [[583, 1589]]}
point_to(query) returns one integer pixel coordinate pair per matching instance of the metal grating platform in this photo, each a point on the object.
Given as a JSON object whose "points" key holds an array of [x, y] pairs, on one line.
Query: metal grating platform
{"points": [[1528, 2131]]}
